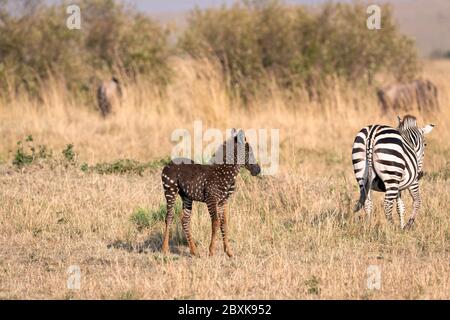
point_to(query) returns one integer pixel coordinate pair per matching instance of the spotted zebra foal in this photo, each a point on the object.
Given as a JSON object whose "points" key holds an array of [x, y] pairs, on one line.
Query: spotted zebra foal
{"points": [[211, 183], [390, 160]]}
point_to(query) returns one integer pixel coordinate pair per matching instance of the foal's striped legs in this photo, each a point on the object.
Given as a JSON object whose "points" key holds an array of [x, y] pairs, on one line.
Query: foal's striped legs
{"points": [[170, 199], [219, 216], [223, 228], [214, 214], [186, 222]]}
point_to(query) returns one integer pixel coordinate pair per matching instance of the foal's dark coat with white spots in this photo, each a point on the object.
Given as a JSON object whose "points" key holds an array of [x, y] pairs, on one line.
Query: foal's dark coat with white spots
{"points": [[212, 184]]}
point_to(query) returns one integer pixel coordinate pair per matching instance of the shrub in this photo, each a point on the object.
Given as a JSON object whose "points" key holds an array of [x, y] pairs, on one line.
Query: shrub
{"points": [[257, 40], [35, 44]]}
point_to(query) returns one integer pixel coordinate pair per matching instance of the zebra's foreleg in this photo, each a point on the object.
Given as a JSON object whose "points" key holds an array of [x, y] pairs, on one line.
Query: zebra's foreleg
{"points": [[401, 210], [415, 194]]}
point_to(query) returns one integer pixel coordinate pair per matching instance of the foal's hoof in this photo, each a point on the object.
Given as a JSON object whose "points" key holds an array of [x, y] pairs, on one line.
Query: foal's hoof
{"points": [[165, 251], [195, 254], [229, 253]]}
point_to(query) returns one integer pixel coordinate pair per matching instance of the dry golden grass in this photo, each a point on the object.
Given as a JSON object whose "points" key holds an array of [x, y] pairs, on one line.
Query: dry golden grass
{"points": [[294, 234]]}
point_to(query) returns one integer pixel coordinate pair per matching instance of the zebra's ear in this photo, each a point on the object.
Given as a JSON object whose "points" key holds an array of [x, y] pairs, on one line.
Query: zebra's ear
{"points": [[241, 137], [234, 133], [399, 120], [427, 129]]}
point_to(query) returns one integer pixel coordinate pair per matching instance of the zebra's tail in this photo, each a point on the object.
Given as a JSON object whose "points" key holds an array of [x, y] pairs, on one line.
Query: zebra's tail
{"points": [[364, 188], [366, 182]]}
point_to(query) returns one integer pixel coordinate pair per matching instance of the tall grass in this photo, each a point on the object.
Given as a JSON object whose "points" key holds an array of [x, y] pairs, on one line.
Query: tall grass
{"points": [[309, 244]]}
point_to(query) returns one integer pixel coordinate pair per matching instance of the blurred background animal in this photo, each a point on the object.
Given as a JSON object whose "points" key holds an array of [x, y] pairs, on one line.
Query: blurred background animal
{"points": [[404, 96], [109, 94]]}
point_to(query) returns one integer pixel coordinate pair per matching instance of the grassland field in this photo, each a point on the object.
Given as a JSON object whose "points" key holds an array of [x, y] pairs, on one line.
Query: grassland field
{"points": [[294, 234]]}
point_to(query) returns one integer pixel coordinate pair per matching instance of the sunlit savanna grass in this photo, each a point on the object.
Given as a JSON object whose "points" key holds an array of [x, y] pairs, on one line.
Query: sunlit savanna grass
{"points": [[294, 234]]}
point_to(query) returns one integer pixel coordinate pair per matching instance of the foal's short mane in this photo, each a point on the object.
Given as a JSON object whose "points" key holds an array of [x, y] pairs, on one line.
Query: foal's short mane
{"points": [[225, 153]]}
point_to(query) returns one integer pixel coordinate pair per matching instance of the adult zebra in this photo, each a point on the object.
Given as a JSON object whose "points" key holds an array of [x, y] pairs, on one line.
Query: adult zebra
{"points": [[390, 160]]}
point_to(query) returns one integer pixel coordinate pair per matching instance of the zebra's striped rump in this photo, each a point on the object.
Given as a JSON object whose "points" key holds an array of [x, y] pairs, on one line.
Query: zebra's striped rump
{"points": [[389, 160]]}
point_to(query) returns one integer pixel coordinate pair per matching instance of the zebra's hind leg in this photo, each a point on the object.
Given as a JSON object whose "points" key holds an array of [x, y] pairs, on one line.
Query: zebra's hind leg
{"points": [[186, 222], [169, 219], [368, 206], [391, 195], [224, 229], [401, 210], [213, 212], [170, 193], [415, 194]]}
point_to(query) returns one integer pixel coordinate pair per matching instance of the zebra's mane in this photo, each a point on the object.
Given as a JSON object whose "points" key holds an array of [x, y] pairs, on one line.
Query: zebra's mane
{"points": [[408, 122], [408, 130], [225, 153]]}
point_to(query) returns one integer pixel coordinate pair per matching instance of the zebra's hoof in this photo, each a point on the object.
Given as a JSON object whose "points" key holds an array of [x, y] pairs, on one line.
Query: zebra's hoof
{"points": [[409, 225]]}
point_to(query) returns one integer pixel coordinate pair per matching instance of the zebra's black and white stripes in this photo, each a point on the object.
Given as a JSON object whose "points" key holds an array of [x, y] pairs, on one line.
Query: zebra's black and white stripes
{"points": [[390, 160]]}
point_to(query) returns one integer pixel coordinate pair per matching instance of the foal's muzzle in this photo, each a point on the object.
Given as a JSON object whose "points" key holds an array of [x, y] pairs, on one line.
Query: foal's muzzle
{"points": [[254, 169]]}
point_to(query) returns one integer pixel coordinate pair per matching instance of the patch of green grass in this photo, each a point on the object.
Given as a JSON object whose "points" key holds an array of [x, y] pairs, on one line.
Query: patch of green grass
{"points": [[129, 295], [26, 155], [84, 167], [245, 175], [144, 218], [312, 285], [119, 167], [125, 166], [69, 154], [156, 164]]}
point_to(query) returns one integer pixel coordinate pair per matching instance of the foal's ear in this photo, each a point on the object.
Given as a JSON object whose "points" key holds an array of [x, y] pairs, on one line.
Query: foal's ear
{"points": [[241, 137], [427, 129]]}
